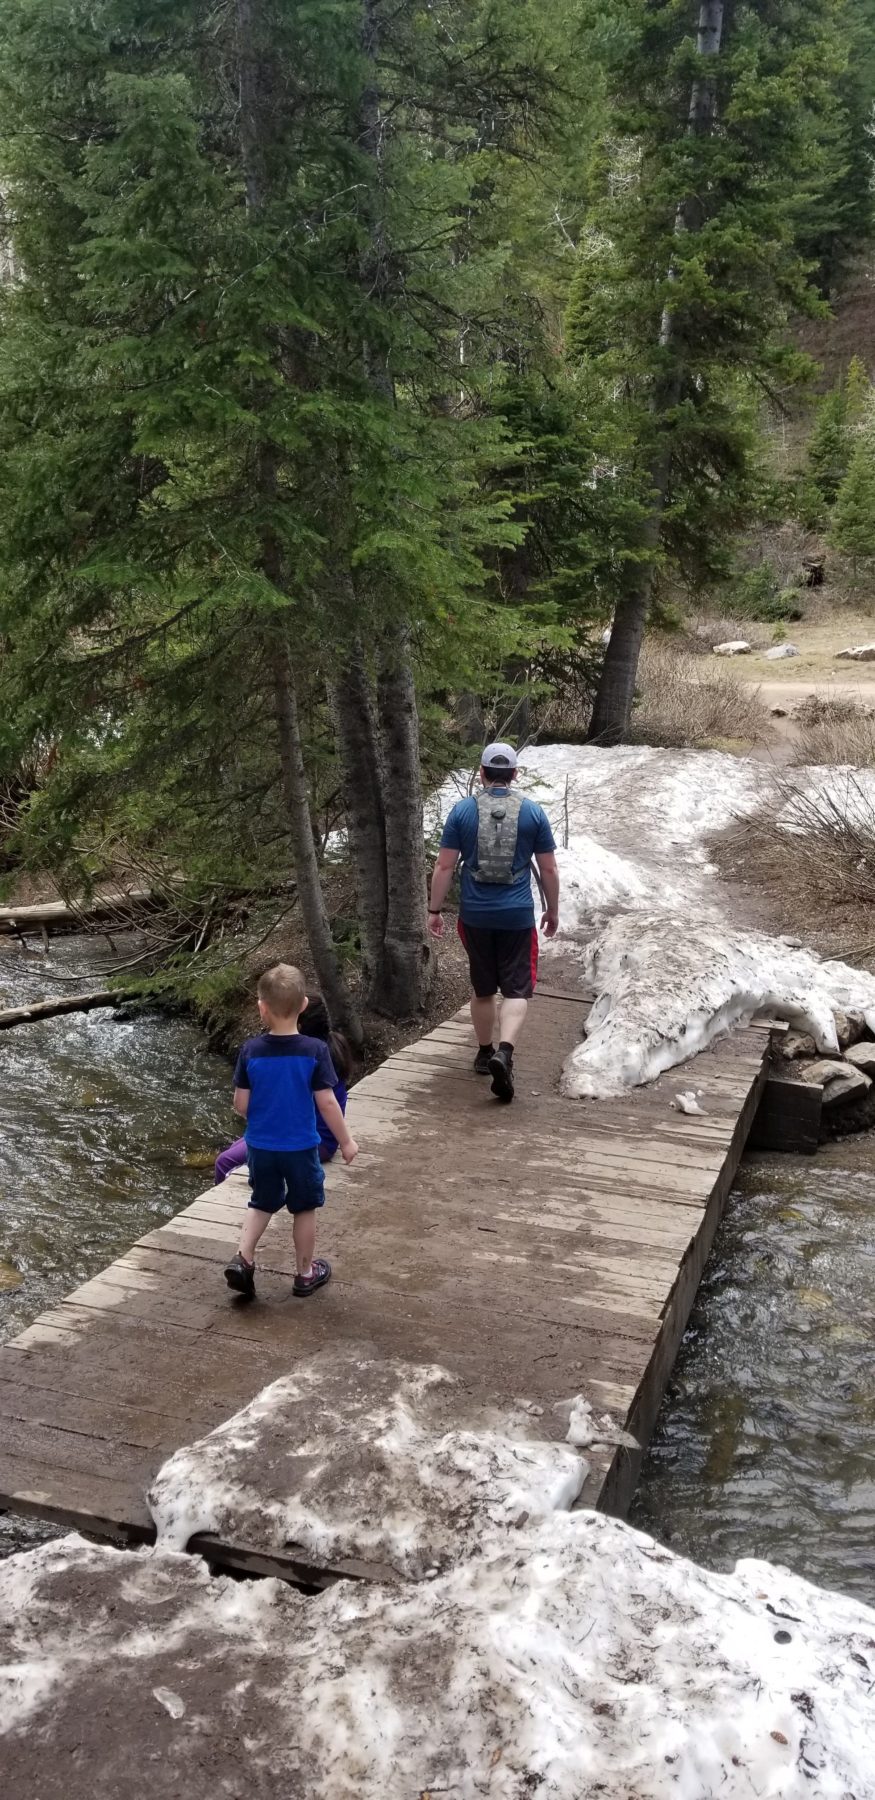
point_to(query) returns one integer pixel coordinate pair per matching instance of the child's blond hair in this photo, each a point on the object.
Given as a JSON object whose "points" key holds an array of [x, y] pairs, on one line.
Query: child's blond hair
{"points": [[282, 990]]}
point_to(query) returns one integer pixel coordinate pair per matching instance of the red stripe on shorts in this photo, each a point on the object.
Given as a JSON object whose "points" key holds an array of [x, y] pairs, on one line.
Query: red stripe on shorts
{"points": [[536, 949]]}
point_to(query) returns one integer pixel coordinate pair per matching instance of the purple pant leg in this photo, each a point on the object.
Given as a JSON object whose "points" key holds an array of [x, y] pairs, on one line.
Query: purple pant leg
{"points": [[228, 1160]]}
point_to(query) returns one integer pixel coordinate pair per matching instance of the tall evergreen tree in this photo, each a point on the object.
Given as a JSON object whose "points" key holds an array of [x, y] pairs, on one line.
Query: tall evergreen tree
{"points": [[224, 372], [680, 299], [853, 520]]}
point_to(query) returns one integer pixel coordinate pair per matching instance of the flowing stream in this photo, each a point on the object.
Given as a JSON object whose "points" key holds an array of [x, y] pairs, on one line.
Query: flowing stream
{"points": [[765, 1445], [109, 1127], [766, 1441]]}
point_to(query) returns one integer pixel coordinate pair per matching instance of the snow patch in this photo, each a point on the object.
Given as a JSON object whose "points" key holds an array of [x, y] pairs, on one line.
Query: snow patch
{"points": [[572, 1656], [668, 987], [378, 1461], [687, 1103]]}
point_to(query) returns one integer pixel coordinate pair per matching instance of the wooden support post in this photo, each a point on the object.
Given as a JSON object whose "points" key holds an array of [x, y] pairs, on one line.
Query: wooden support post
{"points": [[788, 1118]]}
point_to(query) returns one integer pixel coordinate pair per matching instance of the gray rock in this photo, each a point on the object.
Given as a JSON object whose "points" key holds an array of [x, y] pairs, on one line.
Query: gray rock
{"points": [[797, 1043], [862, 1056], [738, 647], [839, 1081], [781, 651], [857, 653], [850, 1027]]}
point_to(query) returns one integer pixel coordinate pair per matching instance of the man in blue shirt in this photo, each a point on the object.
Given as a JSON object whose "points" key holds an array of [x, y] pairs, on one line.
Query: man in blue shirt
{"points": [[496, 834]]}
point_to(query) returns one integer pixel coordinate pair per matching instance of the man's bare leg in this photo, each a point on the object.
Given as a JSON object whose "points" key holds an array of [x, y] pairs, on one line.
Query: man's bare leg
{"points": [[483, 1018], [511, 1018]]}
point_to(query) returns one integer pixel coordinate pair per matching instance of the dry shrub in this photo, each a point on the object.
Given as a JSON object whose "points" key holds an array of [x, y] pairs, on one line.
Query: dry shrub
{"points": [[809, 855], [684, 704], [839, 732]]}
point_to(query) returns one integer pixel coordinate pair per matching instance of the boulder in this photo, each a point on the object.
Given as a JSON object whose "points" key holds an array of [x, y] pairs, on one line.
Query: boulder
{"points": [[839, 1080], [858, 653], [797, 1043], [780, 651], [850, 1027], [861, 1056], [779, 712], [736, 647]]}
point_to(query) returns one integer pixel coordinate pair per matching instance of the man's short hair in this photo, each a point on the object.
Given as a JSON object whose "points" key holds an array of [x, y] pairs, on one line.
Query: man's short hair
{"points": [[282, 989]]}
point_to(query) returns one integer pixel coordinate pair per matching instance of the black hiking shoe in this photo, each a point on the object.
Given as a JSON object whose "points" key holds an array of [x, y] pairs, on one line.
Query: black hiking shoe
{"points": [[483, 1059], [240, 1275], [501, 1070]]}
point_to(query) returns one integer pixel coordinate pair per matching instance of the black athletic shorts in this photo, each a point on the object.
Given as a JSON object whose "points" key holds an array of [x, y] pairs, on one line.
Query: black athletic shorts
{"points": [[503, 962]]}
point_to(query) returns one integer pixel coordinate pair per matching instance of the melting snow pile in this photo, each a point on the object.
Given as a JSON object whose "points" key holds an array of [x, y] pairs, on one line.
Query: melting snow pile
{"points": [[567, 1658], [665, 991], [378, 1461], [645, 915]]}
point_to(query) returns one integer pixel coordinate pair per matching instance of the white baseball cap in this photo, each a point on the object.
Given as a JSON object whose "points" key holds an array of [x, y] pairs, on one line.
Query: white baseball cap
{"points": [[499, 759]]}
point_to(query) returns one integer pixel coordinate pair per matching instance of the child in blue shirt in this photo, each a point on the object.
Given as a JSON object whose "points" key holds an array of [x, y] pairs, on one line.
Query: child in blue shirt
{"points": [[281, 1081], [314, 1022]]}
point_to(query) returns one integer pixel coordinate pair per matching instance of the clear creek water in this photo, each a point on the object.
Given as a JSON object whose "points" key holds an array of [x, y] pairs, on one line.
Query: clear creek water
{"points": [[765, 1444], [109, 1126]]}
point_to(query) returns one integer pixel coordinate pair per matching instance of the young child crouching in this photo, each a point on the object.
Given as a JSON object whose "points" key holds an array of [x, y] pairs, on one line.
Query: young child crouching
{"points": [[281, 1079]]}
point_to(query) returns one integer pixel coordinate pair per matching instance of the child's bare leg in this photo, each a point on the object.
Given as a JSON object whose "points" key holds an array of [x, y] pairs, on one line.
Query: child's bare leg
{"points": [[255, 1224], [304, 1232]]}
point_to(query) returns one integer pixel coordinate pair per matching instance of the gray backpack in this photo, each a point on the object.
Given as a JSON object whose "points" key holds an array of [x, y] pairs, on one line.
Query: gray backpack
{"points": [[498, 817]]}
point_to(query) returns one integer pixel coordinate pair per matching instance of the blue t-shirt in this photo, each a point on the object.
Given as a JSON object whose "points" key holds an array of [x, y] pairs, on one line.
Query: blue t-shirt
{"points": [[283, 1074], [501, 908]]}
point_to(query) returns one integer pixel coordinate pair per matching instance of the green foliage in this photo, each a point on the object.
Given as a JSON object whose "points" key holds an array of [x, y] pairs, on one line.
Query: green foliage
{"points": [[853, 520], [842, 416], [754, 594], [231, 411], [691, 271]]}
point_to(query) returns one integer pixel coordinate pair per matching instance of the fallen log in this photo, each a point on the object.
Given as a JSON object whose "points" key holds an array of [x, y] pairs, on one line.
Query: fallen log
{"points": [[49, 1009], [15, 919]]}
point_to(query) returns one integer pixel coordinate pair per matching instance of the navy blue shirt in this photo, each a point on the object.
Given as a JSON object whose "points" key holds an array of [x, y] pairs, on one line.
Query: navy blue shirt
{"points": [[508, 908], [283, 1074]]}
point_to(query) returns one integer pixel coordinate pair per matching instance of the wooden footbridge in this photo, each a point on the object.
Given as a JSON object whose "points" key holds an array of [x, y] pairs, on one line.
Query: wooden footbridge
{"points": [[539, 1251]]}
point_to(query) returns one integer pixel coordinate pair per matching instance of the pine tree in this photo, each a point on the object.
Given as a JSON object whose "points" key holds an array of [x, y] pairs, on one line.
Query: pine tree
{"points": [[680, 300], [228, 472], [829, 449], [853, 520]]}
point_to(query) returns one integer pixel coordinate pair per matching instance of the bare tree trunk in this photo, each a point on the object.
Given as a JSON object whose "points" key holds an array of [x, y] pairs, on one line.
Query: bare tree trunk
{"points": [[401, 980], [254, 127], [297, 803], [406, 965], [355, 731], [613, 707], [469, 718], [616, 692]]}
